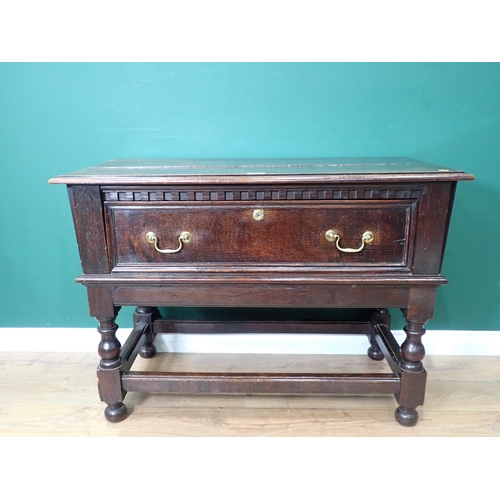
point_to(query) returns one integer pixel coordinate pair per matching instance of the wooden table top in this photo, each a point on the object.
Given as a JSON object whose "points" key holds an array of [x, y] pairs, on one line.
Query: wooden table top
{"points": [[147, 171]]}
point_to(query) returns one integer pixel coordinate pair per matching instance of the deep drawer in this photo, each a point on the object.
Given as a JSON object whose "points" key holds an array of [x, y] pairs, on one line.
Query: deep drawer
{"points": [[261, 234]]}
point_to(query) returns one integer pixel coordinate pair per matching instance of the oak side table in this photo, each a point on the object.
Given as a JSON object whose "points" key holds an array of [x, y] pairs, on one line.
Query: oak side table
{"points": [[365, 233]]}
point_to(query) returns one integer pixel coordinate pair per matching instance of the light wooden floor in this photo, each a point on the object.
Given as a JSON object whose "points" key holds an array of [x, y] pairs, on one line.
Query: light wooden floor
{"points": [[44, 394]]}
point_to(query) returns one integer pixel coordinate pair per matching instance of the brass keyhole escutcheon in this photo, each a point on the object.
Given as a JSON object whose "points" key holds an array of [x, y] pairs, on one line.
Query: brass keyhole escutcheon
{"points": [[258, 214]]}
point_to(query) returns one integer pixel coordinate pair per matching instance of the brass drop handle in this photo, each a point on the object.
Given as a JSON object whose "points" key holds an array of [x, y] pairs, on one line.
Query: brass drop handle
{"points": [[185, 237], [332, 235]]}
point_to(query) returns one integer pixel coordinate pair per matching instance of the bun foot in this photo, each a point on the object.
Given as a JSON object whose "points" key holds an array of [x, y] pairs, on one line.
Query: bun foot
{"points": [[375, 354], [115, 412], [147, 351], [406, 416]]}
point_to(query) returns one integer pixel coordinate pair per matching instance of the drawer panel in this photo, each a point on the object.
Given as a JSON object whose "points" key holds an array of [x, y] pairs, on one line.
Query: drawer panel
{"points": [[279, 234]]}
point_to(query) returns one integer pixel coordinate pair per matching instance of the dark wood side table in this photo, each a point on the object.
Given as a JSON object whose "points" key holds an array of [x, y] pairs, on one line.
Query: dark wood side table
{"points": [[289, 233]]}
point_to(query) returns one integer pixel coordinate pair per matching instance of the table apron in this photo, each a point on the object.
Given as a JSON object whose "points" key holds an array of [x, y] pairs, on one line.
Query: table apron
{"points": [[249, 295]]}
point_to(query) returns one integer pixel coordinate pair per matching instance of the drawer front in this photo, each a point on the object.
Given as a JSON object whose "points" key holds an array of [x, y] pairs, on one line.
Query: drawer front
{"points": [[261, 234]]}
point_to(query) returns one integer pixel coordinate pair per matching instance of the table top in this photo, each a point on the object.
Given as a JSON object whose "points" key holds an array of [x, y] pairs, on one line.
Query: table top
{"points": [[148, 171]]}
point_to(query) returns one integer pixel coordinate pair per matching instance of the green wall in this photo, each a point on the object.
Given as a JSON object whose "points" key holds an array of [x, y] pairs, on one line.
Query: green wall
{"points": [[60, 117]]}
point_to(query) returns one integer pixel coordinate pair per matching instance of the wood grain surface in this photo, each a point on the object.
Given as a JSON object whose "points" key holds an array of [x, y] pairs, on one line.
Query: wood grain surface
{"points": [[54, 394]]}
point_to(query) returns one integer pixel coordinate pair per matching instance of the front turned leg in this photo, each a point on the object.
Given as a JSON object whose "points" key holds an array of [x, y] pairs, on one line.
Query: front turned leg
{"points": [[379, 316], [108, 371], [413, 374]]}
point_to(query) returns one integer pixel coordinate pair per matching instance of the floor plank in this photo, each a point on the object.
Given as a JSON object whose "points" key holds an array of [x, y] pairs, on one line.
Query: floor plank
{"points": [[55, 394]]}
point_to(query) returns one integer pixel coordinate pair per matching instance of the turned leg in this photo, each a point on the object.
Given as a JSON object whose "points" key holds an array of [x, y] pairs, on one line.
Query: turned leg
{"points": [[147, 315], [379, 316], [413, 374], [108, 371]]}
